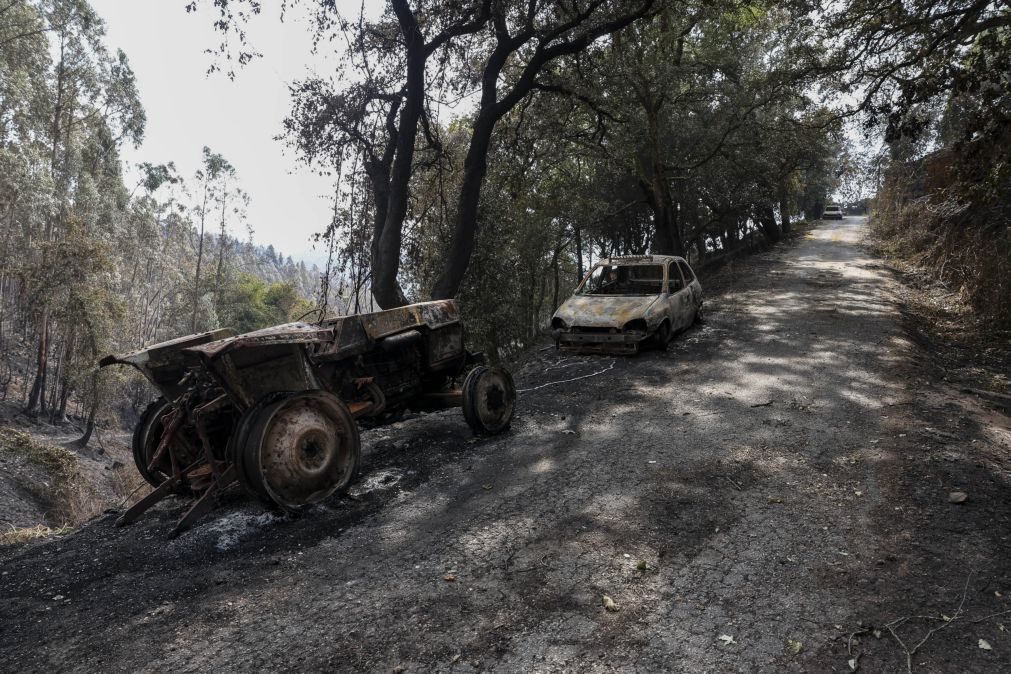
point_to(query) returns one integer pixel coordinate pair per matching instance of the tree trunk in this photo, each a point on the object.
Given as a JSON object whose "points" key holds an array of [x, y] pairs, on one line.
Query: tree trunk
{"points": [[61, 412], [222, 243], [475, 166], [379, 177], [200, 259], [89, 428], [666, 239], [700, 246], [767, 221], [535, 317], [784, 213], [579, 255], [386, 262], [36, 399], [732, 237], [554, 269]]}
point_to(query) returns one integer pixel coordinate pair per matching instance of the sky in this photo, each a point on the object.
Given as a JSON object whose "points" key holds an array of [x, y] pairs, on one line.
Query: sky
{"points": [[188, 109]]}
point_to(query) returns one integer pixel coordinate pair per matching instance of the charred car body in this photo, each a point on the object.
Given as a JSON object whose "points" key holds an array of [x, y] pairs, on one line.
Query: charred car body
{"points": [[276, 410], [624, 302]]}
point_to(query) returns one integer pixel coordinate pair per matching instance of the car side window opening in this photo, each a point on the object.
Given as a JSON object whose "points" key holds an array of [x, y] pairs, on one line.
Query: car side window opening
{"points": [[674, 282], [624, 279], [686, 271]]}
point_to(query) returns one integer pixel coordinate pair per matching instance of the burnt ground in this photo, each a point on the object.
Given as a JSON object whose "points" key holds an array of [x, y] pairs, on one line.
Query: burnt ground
{"points": [[770, 494]]}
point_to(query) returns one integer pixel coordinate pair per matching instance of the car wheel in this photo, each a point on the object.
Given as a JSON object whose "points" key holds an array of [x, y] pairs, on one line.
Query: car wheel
{"points": [[662, 336], [699, 316]]}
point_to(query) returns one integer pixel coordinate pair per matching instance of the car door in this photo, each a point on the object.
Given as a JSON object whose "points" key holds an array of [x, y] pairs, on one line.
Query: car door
{"points": [[694, 288], [679, 298]]}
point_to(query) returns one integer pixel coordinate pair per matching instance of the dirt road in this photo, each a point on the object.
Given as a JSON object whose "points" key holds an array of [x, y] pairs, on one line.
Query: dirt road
{"points": [[770, 494]]}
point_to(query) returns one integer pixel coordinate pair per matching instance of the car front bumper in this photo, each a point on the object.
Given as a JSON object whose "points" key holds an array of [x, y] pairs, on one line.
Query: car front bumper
{"points": [[600, 342]]}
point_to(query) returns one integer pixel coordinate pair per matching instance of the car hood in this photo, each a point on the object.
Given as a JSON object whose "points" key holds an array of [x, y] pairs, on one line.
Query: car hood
{"points": [[601, 311]]}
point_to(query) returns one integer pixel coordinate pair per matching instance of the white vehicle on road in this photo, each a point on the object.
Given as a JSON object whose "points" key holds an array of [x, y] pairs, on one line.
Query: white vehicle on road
{"points": [[832, 212]]}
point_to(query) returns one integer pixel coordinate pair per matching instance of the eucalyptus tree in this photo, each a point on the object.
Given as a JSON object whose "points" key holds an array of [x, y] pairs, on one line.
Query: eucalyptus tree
{"points": [[83, 104], [212, 179]]}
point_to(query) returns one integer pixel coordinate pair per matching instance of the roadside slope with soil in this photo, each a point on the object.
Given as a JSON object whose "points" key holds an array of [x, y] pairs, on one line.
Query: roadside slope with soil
{"points": [[771, 493]]}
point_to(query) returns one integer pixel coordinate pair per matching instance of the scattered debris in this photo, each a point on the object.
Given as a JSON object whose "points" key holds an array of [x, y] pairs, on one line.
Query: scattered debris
{"points": [[957, 497], [946, 621], [610, 605], [727, 639], [794, 647], [768, 404], [566, 381], [985, 645], [449, 578]]}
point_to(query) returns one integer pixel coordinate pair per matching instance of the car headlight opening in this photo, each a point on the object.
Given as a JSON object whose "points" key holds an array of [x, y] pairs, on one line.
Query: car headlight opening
{"points": [[637, 325]]}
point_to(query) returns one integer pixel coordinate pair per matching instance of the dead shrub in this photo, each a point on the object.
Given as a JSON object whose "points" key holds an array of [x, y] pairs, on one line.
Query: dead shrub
{"points": [[67, 496], [956, 234]]}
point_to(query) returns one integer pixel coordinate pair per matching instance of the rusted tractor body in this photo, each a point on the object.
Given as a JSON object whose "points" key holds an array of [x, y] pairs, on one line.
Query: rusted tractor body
{"points": [[276, 410]]}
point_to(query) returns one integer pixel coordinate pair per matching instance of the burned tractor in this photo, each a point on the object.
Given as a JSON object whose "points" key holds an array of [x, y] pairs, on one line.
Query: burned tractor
{"points": [[277, 410]]}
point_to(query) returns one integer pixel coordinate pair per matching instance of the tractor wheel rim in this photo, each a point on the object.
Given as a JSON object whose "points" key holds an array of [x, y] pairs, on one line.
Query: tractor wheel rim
{"points": [[494, 397], [305, 452]]}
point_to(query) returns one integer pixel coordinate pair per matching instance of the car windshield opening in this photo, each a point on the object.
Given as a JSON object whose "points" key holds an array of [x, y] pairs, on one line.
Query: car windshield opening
{"points": [[624, 279]]}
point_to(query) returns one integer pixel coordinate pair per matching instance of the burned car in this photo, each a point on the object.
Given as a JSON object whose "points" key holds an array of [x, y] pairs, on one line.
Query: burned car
{"points": [[625, 302], [277, 410]]}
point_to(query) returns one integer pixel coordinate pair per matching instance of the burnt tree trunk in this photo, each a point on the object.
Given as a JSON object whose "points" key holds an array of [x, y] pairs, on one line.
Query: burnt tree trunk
{"points": [[36, 399]]}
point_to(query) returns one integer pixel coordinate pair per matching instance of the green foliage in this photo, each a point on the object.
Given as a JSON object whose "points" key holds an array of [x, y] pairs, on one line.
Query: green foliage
{"points": [[252, 303]]}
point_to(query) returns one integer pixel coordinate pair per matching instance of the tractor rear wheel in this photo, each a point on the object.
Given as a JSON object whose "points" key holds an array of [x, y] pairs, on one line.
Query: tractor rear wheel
{"points": [[298, 449]]}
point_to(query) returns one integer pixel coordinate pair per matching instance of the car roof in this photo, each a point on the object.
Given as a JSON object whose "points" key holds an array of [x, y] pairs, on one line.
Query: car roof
{"points": [[639, 259]]}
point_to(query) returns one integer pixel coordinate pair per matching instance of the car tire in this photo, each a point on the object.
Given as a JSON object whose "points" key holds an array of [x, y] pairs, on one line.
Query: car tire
{"points": [[699, 316], [662, 336]]}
